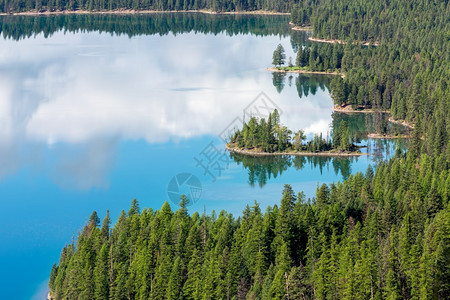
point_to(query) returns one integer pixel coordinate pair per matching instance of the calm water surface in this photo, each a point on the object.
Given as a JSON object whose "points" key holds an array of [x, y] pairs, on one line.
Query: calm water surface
{"points": [[97, 111]]}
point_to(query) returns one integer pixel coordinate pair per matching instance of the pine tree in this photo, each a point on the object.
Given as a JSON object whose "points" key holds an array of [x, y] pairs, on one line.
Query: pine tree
{"points": [[53, 274], [101, 274], [338, 90], [134, 208], [279, 285], [279, 56], [284, 221], [392, 289], [94, 219], [320, 277], [299, 58], [175, 280], [105, 227], [192, 288]]}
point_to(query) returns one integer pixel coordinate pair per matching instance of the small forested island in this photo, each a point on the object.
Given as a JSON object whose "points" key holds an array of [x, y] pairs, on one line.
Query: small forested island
{"points": [[270, 137]]}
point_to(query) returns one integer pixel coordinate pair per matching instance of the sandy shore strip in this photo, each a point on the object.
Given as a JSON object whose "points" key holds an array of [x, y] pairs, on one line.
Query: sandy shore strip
{"points": [[260, 154], [274, 69], [401, 122], [348, 109], [332, 41], [387, 136], [132, 11], [300, 28]]}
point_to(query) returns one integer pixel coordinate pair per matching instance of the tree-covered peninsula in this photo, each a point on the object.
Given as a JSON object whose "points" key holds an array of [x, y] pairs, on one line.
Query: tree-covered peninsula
{"points": [[259, 137], [407, 73], [314, 60]]}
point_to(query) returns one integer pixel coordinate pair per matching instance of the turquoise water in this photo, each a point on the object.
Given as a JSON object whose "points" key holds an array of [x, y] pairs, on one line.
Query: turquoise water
{"points": [[91, 119]]}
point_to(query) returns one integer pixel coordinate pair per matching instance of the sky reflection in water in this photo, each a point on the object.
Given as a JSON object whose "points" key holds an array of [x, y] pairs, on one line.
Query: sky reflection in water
{"points": [[89, 121], [93, 91]]}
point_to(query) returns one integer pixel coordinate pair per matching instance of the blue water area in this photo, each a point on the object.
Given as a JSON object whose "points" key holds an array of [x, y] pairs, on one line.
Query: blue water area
{"points": [[42, 211], [92, 119]]}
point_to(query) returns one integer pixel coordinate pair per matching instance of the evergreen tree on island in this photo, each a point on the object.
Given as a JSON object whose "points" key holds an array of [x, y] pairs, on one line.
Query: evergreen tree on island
{"points": [[279, 56]]}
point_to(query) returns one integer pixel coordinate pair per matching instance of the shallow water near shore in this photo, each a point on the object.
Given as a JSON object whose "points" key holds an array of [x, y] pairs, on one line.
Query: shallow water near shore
{"points": [[95, 114]]}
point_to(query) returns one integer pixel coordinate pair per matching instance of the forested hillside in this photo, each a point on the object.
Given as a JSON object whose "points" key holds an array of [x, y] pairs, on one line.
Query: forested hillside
{"points": [[10, 6], [375, 236]]}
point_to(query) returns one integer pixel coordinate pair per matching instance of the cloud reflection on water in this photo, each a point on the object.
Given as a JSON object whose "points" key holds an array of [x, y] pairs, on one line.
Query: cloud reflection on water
{"points": [[155, 88]]}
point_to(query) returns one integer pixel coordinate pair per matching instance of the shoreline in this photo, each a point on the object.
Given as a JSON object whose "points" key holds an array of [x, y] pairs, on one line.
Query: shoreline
{"points": [[135, 12], [274, 69], [260, 154], [387, 136], [348, 109], [334, 41], [401, 122], [300, 28]]}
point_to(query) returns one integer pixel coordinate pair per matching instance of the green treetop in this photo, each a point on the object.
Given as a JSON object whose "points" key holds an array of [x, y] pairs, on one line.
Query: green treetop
{"points": [[279, 56]]}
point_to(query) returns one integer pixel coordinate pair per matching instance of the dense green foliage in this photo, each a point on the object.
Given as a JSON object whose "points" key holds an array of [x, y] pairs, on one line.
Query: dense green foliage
{"points": [[384, 235], [271, 136], [381, 235], [278, 56], [11, 6], [408, 72], [20, 27]]}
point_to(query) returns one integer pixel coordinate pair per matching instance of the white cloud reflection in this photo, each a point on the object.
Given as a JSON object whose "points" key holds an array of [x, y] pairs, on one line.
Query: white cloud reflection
{"points": [[95, 90]]}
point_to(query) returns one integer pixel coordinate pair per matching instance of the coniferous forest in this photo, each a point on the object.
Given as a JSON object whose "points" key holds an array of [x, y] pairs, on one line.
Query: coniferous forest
{"points": [[384, 234], [407, 73], [11, 6]]}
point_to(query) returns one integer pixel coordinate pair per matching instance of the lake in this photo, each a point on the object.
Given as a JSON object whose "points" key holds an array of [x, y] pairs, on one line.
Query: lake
{"points": [[98, 110]]}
